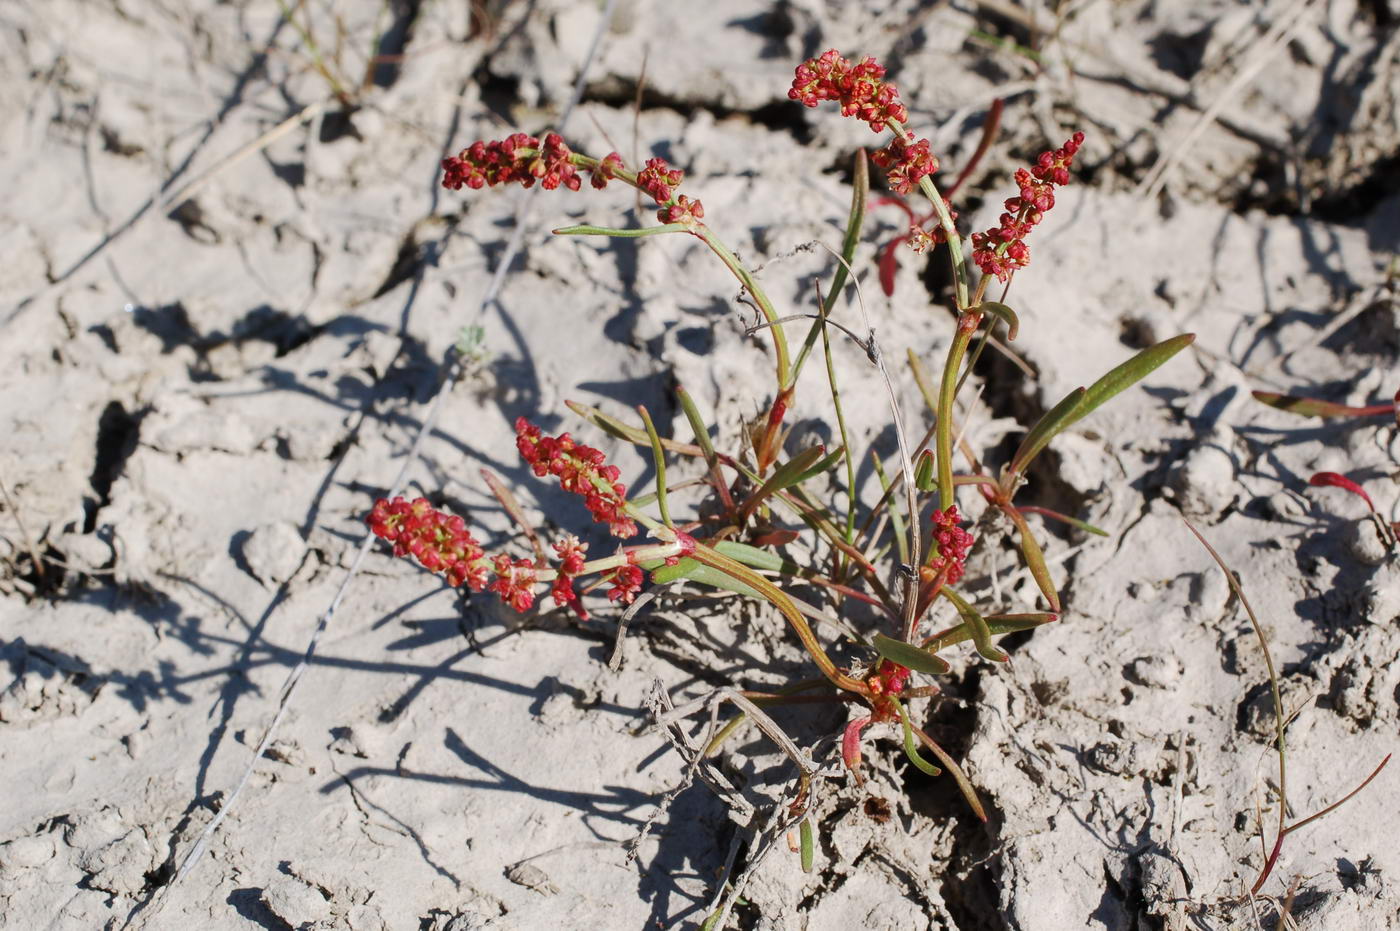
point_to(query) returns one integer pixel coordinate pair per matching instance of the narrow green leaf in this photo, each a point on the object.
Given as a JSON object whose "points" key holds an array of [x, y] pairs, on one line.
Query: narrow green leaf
{"points": [[1083, 525], [954, 770], [658, 458], [943, 426], [688, 568], [609, 424], [700, 428], [753, 556], [1064, 518], [822, 466], [1081, 402], [923, 471], [977, 625], [896, 519], [997, 624], [1131, 372], [589, 230], [1035, 559], [907, 654], [911, 747], [1054, 420], [1013, 325], [860, 190], [786, 475], [808, 852]]}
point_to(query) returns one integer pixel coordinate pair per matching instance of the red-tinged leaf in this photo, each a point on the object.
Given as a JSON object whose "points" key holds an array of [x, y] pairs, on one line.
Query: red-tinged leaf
{"points": [[1013, 325], [1064, 519], [884, 201], [512, 508], [1334, 480], [889, 264], [1312, 407], [1035, 559], [775, 538]]}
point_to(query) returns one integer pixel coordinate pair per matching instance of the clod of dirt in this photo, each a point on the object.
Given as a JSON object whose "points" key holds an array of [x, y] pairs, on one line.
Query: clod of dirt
{"points": [[116, 855], [274, 552], [1084, 464], [25, 853], [531, 877], [1381, 596], [295, 902], [1162, 671], [1365, 543], [1205, 482]]}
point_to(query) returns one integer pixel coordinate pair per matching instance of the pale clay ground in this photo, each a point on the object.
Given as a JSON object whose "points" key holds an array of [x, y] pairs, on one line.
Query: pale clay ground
{"points": [[198, 414]]}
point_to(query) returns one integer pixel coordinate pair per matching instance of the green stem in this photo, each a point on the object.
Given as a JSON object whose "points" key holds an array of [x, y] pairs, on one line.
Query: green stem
{"points": [[841, 425], [945, 220], [943, 437], [717, 560]]}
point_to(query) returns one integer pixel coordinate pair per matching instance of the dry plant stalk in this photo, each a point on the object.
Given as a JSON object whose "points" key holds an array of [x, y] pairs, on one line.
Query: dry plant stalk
{"points": [[1285, 828]]}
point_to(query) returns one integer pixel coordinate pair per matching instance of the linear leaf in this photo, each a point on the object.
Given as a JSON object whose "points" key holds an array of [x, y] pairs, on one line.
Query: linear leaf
{"points": [[911, 747], [923, 471], [1067, 412], [977, 624], [1312, 407], [997, 624], [1054, 420], [688, 568], [1013, 325], [795, 470], [907, 654], [1035, 559], [586, 229]]}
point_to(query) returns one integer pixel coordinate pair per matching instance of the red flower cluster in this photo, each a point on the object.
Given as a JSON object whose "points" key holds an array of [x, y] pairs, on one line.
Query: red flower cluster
{"points": [[906, 163], [860, 89], [889, 678], [441, 542], [581, 470], [657, 179], [517, 158], [607, 169], [1023, 212], [952, 543], [626, 583], [570, 552], [684, 210], [515, 582]]}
